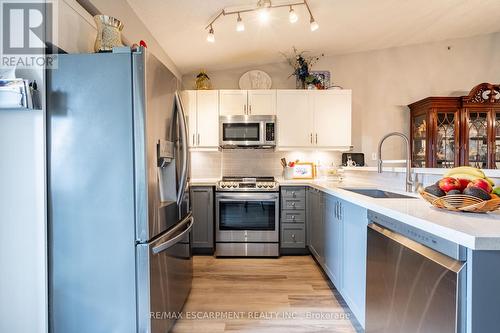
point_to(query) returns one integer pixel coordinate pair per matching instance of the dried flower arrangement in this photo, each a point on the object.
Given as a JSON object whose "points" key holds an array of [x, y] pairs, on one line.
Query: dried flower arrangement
{"points": [[301, 65]]}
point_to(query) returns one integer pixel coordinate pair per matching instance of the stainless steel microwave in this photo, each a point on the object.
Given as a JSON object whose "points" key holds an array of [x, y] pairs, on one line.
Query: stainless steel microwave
{"points": [[241, 131]]}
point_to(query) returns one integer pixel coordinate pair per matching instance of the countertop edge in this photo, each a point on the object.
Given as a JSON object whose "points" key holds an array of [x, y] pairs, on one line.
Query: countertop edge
{"points": [[470, 241]]}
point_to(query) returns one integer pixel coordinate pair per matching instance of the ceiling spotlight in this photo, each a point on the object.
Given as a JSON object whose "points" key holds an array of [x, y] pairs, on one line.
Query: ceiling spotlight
{"points": [[263, 7], [211, 36], [314, 24], [264, 15], [240, 26], [292, 16]]}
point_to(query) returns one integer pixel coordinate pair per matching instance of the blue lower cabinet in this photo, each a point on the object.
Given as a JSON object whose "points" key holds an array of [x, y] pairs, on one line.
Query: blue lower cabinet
{"points": [[293, 218], [333, 241], [354, 234], [315, 224]]}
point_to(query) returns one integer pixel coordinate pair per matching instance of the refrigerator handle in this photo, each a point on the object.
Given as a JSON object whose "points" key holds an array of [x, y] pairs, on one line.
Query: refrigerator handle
{"points": [[184, 138], [172, 241]]}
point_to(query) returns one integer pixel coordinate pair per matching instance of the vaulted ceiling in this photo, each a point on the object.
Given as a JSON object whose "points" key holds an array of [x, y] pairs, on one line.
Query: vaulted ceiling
{"points": [[346, 26]]}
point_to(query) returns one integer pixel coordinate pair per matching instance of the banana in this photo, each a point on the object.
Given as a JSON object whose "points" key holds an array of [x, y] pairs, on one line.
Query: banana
{"points": [[465, 170], [464, 176]]}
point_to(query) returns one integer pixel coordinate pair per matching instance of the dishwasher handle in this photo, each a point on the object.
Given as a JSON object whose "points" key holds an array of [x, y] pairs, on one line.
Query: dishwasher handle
{"points": [[437, 257]]}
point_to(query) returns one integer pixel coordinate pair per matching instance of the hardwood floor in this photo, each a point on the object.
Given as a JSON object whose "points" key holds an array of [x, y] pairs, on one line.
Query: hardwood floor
{"points": [[288, 294]]}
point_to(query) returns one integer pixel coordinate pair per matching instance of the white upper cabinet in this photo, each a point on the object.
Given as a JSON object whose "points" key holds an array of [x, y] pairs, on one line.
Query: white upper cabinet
{"points": [[208, 118], [233, 102], [247, 102], [188, 98], [202, 112], [294, 117], [261, 102], [332, 118], [314, 119]]}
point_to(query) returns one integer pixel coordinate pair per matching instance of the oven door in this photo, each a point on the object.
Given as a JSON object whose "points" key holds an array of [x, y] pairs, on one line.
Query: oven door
{"points": [[247, 217], [241, 133]]}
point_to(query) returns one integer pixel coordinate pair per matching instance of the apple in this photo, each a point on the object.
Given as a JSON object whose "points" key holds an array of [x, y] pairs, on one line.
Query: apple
{"points": [[482, 184], [463, 183], [449, 183]]}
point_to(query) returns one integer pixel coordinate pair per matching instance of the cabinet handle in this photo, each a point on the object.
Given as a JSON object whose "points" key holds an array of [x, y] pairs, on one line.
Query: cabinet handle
{"points": [[245, 109], [293, 194], [293, 236], [193, 140], [340, 211], [293, 217], [250, 109], [316, 138], [336, 210], [293, 204], [198, 139], [311, 137]]}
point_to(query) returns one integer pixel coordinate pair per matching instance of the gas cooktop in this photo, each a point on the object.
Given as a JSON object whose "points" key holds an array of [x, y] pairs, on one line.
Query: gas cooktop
{"points": [[250, 184]]}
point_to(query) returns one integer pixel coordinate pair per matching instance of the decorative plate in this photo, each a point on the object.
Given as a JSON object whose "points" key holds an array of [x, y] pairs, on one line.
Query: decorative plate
{"points": [[255, 79]]}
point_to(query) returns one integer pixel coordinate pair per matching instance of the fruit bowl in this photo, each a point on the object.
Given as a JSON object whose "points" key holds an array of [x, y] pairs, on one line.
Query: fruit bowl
{"points": [[462, 202]]}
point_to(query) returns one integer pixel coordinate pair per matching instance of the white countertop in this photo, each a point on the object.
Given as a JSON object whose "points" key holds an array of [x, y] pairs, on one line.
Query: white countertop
{"points": [[203, 181], [492, 173], [475, 231]]}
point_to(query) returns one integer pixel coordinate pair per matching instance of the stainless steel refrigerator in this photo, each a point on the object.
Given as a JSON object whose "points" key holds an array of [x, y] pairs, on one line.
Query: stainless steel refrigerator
{"points": [[119, 219]]}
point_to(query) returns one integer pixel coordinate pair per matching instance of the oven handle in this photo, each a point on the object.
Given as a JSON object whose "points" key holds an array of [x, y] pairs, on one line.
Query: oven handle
{"points": [[247, 196], [172, 241]]}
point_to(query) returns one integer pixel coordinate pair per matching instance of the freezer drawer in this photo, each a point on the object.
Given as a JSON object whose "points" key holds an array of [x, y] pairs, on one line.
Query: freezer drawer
{"points": [[411, 288], [164, 276]]}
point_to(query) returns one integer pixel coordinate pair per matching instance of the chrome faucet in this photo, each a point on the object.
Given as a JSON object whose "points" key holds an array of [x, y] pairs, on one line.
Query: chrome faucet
{"points": [[409, 181]]}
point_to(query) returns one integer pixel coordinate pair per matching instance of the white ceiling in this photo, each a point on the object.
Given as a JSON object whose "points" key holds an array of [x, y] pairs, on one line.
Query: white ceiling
{"points": [[346, 26]]}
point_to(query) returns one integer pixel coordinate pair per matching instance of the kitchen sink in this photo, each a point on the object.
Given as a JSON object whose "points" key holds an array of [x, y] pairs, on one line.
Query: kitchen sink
{"points": [[376, 193]]}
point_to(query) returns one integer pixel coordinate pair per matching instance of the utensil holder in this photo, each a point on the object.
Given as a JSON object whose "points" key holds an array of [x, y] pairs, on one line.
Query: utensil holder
{"points": [[288, 173]]}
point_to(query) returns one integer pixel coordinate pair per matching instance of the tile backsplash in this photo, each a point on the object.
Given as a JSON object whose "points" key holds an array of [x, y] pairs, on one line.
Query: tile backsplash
{"points": [[253, 162]]}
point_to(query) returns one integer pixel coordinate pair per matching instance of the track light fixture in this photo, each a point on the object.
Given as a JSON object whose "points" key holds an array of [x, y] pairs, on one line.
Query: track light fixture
{"points": [[263, 8], [292, 15], [211, 35], [240, 26]]}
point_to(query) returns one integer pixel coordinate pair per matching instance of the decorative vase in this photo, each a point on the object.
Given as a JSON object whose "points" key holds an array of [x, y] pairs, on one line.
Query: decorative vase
{"points": [[108, 33], [203, 81], [299, 84]]}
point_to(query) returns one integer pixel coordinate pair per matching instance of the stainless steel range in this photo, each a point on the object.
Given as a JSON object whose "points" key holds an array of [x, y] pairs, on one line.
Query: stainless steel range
{"points": [[247, 217]]}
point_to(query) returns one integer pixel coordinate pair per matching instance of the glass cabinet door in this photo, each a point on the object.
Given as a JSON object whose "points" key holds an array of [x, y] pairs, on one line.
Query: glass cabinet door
{"points": [[445, 139], [496, 162], [478, 139], [419, 140]]}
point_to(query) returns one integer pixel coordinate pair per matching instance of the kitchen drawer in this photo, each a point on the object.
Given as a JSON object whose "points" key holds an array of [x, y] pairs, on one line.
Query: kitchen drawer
{"points": [[293, 235], [293, 192], [293, 204], [293, 216]]}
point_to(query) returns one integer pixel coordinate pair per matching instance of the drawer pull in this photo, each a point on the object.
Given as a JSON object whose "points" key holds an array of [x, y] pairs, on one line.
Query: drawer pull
{"points": [[293, 204], [293, 236], [293, 217]]}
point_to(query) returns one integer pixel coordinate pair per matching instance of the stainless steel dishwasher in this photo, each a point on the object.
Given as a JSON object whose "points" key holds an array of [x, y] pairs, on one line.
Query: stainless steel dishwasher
{"points": [[415, 280]]}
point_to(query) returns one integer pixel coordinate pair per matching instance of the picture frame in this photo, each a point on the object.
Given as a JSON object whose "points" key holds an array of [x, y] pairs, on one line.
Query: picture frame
{"points": [[304, 170], [323, 77]]}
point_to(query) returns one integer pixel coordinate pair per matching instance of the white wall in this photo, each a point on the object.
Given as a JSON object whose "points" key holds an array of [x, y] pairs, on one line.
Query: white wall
{"points": [[384, 82], [77, 29]]}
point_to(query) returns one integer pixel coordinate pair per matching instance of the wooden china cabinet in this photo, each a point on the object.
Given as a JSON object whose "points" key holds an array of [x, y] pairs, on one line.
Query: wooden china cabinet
{"points": [[451, 131]]}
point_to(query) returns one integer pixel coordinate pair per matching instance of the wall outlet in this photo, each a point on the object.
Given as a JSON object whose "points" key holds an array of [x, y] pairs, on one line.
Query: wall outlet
{"points": [[374, 156]]}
